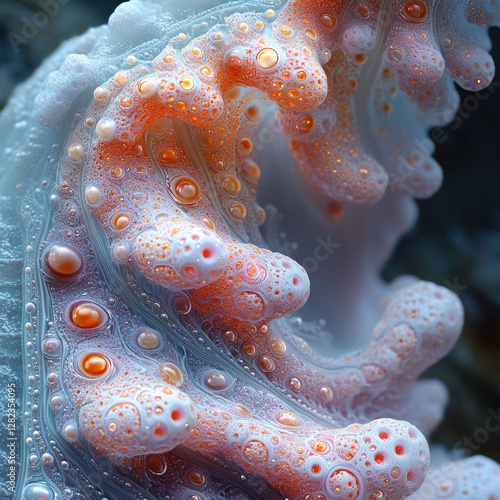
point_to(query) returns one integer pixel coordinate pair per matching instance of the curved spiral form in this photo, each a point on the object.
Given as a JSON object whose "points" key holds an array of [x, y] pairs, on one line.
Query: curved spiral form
{"points": [[161, 333]]}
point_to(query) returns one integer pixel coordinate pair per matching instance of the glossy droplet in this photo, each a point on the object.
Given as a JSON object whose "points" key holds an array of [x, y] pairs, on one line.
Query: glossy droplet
{"points": [[148, 339], [171, 374], [242, 409], [278, 346], [195, 477], [216, 380], [230, 335], [246, 145], [186, 190], [93, 195], [395, 54], [250, 170], [187, 83], [47, 459], [305, 123], [328, 21], [295, 384], [120, 77], [168, 156], [88, 315], [94, 364], [266, 364], [207, 71], [156, 464], [231, 185], [51, 347], [415, 11], [57, 400], [105, 128], [326, 394], [120, 221], [288, 418], [267, 58], [208, 223], [70, 431], [248, 349], [311, 34], [37, 491], [181, 303], [147, 86], [237, 210], [64, 260], [75, 152], [100, 93]]}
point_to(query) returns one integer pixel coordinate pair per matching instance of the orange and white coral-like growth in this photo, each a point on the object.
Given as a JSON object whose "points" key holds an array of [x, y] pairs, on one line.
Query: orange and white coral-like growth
{"points": [[167, 340]]}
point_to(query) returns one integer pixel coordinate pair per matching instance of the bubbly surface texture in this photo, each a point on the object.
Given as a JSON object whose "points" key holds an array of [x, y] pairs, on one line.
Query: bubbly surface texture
{"points": [[163, 352]]}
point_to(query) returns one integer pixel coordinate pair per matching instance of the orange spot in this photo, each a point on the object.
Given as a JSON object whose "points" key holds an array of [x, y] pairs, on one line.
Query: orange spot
{"points": [[415, 11], [305, 123], [94, 364], [87, 315]]}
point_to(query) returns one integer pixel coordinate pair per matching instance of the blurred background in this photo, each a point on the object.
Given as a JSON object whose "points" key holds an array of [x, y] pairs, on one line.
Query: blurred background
{"points": [[456, 242]]}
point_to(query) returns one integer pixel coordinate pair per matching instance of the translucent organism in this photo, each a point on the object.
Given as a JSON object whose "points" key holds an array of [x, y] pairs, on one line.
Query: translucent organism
{"points": [[163, 358]]}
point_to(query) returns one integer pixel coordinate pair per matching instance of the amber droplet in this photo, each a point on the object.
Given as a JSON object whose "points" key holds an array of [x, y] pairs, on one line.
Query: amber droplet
{"points": [[237, 210], [278, 346], [415, 11], [208, 223], [231, 185], [311, 34], [267, 58], [87, 315], [328, 21], [266, 364], [186, 190], [196, 477], [169, 156], [94, 364], [305, 123], [286, 30], [248, 349], [250, 170]]}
